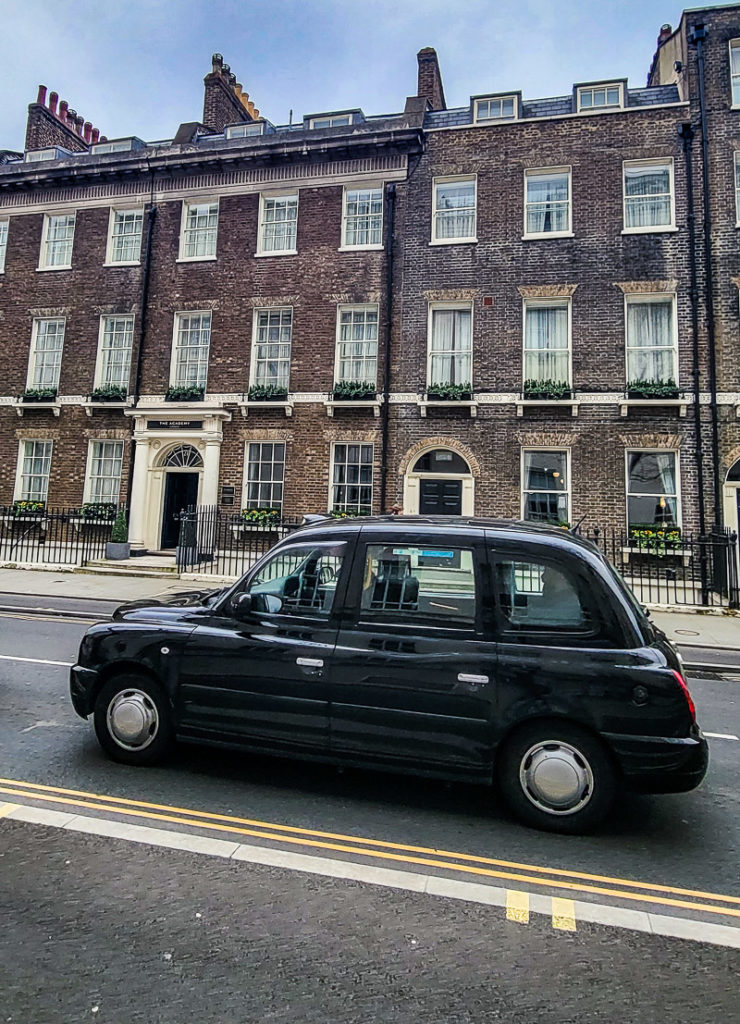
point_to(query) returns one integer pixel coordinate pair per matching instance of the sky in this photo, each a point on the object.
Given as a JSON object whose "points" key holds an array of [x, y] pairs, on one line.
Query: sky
{"points": [[136, 67]]}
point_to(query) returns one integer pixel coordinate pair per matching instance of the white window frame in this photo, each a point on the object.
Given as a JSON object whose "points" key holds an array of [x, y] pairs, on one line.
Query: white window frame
{"points": [[562, 449], [448, 180], [592, 87], [345, 245], [255, 331], [642, 298], [504, 118], [332, 460], [246, 481], [266, 197], [239, 131], [32, 355], [335, 121], [345, 307], [635, 450], [460, 305], [43, 254], [736, 172], [87, 491], [34, 156], [99, 381], [175, 347], [18, 488], [561, 303], [650, 229], [186, 205], [734, 44], [117, 146], [532, 172], [4, 232], [114, 211]]}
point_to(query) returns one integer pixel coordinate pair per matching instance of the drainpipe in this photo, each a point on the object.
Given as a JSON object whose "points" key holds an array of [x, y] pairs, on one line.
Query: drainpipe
{"points": [[696, 38], [151, 213], [686, 134], [385, 408]]}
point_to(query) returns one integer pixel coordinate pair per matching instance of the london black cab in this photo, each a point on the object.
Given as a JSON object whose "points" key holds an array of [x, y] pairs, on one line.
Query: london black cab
{"points": [[464, 648]]}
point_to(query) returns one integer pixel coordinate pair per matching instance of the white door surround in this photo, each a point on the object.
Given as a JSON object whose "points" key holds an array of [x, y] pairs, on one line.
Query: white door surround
{"points": [[415, 473]]}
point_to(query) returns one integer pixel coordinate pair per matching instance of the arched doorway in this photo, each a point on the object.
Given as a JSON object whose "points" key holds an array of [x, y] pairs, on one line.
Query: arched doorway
{"points": [[183, 466], [732, 497], [439, 482]]}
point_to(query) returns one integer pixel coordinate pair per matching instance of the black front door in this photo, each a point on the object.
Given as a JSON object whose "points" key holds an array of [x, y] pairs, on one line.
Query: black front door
{"points": [[440, 498], [180, 491]]}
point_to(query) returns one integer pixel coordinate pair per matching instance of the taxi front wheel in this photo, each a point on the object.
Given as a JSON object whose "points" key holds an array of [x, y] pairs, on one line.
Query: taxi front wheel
{"points": [[556, 776], [133, 721]]}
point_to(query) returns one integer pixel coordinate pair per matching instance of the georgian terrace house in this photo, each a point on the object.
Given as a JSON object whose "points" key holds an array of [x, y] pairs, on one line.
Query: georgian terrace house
{"points": [[514, 307]]}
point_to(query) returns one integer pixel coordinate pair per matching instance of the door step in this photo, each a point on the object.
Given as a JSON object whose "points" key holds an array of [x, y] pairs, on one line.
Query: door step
{"points": [[145, 563], [111, 570]]}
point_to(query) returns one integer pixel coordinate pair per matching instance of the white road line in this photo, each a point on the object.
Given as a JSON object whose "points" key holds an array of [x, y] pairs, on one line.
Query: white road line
{"points": [[563, 912], [721, 736], [35, 661]]}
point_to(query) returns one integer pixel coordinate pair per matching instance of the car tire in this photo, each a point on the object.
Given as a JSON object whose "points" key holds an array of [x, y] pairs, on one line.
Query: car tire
{"points": [[556, 776], [133, 720]]}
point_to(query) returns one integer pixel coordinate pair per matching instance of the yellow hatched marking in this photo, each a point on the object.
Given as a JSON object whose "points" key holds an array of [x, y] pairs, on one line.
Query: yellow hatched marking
{"points": [[517, 906], [563, 914], [5, 809]]}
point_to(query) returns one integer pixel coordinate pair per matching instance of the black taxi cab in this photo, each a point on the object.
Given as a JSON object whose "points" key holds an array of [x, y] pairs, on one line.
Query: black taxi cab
{"points": [[462, 648]]}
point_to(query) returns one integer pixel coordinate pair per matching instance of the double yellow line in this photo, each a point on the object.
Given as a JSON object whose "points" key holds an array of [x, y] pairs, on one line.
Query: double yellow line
{"points": [[377, 849]]}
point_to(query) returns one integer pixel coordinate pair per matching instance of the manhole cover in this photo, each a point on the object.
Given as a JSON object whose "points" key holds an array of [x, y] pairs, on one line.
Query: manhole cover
{"points": [[686, 632]]}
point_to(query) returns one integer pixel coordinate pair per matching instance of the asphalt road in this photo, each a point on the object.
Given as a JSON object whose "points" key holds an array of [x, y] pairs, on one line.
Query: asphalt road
{"points": [[281, 945]]}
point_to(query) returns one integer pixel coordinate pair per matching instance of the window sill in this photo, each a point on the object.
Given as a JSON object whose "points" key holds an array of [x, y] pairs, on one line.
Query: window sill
{"points": [[124, 263], [560, 403], [454, 241], [653, 403], [286, 404], [54, 406], [192, 259], [354, 403], [91, 404], [43, 270], [424, 403], [667, 230], [361, 248], [547, 235], [278, 252], [684, 555]]}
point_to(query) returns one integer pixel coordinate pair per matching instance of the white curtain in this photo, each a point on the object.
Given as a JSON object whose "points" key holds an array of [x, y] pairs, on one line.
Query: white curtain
{"points": [[650, 353], [546, 344], [647, 192], [450, 347]]}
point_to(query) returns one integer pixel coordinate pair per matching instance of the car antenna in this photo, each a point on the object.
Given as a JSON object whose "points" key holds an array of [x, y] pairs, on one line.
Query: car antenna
{"points": [[572, 529]]}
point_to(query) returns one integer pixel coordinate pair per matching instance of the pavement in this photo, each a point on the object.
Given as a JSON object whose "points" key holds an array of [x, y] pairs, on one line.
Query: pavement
{"points": [[711, 631]]}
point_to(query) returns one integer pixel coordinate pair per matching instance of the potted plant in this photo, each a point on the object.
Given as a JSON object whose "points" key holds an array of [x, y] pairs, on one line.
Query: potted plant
{"points": [[98, 511], [340, 513], [656, 538], [118, 546], [353, 390], [39, 395], [267, 393], [23, 509], [184, 393], [546, 390], [109, 393], [446, 391], [652, 389]]}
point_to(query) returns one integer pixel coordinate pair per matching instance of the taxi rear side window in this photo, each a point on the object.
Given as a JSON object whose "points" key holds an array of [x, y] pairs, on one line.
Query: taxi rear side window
{"points": [[414, 583]]}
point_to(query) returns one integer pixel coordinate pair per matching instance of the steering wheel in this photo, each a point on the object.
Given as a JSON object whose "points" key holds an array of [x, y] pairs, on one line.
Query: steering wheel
{"points": [[327, 574]]}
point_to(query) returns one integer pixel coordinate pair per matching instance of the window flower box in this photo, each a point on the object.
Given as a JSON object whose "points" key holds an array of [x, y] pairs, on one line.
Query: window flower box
{"points": [[448, 395], [653, 393], [266, 396], [39, 395], [185, 393], [546, 391], [109, 393], [258, 520], [354, 394]]}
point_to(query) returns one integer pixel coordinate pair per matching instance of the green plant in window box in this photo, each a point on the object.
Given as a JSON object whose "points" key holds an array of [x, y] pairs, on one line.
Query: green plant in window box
{"points": [[341, 513], [655, 537], [546, 390], [265, 517], [184, 393], [39, 395], [109, 393], [357, 390], [652, 389], [27, 508], [267, 393], [446, 391], [102, 511]]}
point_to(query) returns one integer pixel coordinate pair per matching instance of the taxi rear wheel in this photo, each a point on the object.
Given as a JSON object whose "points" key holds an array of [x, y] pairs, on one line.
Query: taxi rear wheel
{"points": [[557, 776], [133, 721]]}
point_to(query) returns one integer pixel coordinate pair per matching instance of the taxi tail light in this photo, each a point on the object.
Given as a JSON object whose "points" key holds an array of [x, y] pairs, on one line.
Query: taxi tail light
{"points": [[689, 699]]}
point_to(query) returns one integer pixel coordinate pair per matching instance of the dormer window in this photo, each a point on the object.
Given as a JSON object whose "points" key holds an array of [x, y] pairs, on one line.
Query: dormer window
{"points": [[602, 96], [245, 131], [330, 121], [35, 155], [487, 109], [118, 146]]}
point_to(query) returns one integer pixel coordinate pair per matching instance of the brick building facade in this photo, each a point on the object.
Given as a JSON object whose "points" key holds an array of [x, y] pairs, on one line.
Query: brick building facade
{"points": [[509, 308]]}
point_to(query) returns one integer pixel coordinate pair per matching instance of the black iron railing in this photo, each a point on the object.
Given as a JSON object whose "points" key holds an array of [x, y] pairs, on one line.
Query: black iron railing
{"points": [[63, 536], [676, 568], [218, 543]]}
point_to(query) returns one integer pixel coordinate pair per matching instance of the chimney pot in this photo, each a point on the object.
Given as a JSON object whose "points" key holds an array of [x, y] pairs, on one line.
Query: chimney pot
{"points": [[63, 108], [95, 135], [665, 32], [103, 138], [87, 132], [79, 122], [226, 68], [71, 118], [217, 61], [41, 98], [53, 100]]}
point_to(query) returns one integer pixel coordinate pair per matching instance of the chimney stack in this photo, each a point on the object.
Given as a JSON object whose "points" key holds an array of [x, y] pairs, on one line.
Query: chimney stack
{"points": [[54, 124], [430, 79], [225, 102]]}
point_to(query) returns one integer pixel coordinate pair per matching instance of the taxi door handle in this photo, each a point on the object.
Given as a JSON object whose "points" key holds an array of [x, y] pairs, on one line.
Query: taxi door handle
{"points": [[310, 662], [472, 680]]}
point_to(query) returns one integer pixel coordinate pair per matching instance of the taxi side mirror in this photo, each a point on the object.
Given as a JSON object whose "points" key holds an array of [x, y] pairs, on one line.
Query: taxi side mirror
{"points": [[242, 607]]}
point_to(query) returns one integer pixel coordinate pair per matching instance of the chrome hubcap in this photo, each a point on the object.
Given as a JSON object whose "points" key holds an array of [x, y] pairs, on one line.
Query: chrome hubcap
{"points": [[556, 777], [133, 720]]}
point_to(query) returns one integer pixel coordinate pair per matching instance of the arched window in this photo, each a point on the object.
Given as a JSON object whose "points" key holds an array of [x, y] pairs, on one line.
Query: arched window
{"points": [[441, 460], [184, 456], [733, 476]]}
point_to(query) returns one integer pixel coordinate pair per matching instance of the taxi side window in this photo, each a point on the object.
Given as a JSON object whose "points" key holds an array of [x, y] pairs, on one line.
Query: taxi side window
{"points": [[537, 596], [410, 583], [298, 581]]}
